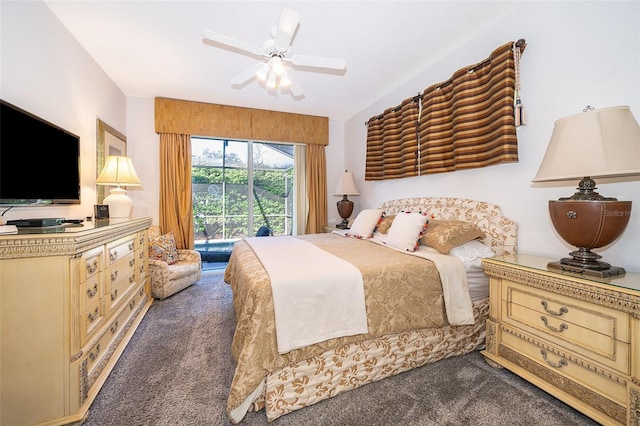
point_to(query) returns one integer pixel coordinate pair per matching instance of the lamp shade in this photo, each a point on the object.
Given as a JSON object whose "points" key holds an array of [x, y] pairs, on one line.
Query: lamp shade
{"points": [[346, 185], [596, 143], [118, 171]]}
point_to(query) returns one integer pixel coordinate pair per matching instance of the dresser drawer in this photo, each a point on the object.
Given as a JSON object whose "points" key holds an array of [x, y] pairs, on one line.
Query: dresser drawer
{"points": [[91, 263], [141, 265], [121, 276], [91, 320], [92, 289], [599, 319], [112, 335], [557, 360], [567, 322], [121, 248]]}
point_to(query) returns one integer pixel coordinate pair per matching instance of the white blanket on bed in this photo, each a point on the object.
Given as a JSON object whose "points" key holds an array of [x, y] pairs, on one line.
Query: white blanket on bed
{"points": [[312, 302]]}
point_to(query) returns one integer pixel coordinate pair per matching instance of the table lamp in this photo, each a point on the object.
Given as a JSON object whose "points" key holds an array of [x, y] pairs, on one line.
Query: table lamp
{"points": [[595, 143], [346, 186], [118, 171]]}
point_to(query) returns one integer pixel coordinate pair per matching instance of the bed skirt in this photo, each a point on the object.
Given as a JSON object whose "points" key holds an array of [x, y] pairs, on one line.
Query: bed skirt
{"points": [[324, 376]]}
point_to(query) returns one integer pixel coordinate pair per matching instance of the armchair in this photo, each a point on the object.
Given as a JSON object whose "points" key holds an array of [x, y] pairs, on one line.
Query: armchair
{"points": [[168, 279]]}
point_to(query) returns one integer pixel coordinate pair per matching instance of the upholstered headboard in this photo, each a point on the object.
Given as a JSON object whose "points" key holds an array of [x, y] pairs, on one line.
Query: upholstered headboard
{"points": [[501, 232]]}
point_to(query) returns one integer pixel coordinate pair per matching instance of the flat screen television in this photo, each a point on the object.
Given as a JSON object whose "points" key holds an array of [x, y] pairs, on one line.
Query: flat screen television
{"points": [[39, 161]]}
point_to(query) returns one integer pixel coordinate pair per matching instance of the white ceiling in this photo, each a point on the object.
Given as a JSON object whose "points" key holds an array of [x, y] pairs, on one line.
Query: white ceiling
{"points": [[155, 48]]}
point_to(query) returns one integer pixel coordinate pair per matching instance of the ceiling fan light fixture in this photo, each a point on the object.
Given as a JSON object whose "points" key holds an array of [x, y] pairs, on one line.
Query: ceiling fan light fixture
{"points": [[276, 65], [263, 72], [272, 81], [285, 81]]}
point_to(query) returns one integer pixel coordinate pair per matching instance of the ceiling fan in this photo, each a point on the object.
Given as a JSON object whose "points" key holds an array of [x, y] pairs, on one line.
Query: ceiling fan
{"points": [[276, 56]]}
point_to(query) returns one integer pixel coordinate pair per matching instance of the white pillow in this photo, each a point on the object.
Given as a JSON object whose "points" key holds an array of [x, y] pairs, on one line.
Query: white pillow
{"points": [[471, 253], [406, 230], [364, 223]]}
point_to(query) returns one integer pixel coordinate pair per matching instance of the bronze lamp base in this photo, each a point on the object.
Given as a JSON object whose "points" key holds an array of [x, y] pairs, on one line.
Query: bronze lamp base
{"points": [[345, 208], [589, 224]]}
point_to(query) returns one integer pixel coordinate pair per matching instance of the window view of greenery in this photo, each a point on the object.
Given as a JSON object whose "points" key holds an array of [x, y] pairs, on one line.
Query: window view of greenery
{"points": [[232, 197]]}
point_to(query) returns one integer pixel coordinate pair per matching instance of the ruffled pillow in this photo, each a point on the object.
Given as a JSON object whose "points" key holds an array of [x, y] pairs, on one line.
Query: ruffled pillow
{"points": [[443, 235], [164, 248], [406, 230], [365, 223]]}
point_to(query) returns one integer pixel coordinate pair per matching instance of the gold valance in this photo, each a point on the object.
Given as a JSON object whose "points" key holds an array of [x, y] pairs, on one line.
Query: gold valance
{"points": [[223, 121]]}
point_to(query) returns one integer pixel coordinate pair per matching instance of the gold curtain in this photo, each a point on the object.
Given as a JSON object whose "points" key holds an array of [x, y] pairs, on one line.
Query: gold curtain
{"points": [[175, 188], [185, 118], [316, 166], [468, 121], [392, 143]]}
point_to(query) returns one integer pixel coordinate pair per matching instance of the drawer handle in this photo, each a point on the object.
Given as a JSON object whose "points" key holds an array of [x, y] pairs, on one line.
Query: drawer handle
{"points": [[92, 293], [132, 262], [141, 292], [131, 246], [563, 309], [114, 327], [91, 267], [113, 255], [562, 363], [132, 304], [94, 355], [563, 326], [92, 317], [114, 276], [114, 295], [131, 279]]}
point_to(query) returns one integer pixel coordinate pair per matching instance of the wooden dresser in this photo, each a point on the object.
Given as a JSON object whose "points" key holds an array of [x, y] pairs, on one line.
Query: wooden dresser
{"points": [[576, 337], [70, 300]]}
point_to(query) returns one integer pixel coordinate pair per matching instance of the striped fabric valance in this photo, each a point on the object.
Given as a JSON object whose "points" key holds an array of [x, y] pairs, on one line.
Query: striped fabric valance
{"points": [[392, 143], [465, 122]]}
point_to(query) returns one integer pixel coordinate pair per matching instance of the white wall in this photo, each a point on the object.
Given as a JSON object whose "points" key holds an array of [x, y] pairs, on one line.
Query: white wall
{"points": [[578, 54], [44, 70]]}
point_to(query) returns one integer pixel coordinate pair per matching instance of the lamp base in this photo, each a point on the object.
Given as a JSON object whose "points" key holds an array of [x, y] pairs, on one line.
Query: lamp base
{"points": [[565, 264], [119, 203], [343, 225], [345, 208]]}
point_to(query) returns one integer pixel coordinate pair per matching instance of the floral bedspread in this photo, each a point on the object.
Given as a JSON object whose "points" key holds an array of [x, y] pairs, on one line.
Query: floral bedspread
{"points": [[402, 293]]}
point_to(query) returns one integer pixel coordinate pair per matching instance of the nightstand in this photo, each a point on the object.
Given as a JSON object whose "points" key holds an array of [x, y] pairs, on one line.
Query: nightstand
{"points": [[576, 337]]}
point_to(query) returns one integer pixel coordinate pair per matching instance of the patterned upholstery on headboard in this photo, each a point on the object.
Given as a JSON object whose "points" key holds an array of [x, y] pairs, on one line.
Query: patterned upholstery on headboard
{"points": [[501, 232]]}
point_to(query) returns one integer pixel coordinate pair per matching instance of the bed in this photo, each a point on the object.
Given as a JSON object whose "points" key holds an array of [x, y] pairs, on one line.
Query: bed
{"points": [[407, 310]]}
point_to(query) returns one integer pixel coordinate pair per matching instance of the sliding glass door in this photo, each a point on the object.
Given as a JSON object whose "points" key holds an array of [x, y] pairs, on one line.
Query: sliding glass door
{"points": [[240, 186]]}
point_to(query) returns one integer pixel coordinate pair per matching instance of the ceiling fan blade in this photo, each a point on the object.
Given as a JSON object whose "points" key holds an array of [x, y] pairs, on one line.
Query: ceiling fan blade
{"points": [[232, 42], [286, 29], [246, 75], [318, 62], [295, 88]]}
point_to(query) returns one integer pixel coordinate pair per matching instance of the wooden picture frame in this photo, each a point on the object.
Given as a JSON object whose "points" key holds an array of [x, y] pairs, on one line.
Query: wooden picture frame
{"points": [[109, 141]]}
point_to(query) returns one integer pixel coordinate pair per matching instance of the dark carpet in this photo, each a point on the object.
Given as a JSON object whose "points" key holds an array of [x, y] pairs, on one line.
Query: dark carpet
{"points": [[178, 367]]}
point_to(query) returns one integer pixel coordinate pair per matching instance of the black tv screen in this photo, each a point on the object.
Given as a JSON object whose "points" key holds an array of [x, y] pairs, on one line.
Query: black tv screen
{"points": [[39, 161]]}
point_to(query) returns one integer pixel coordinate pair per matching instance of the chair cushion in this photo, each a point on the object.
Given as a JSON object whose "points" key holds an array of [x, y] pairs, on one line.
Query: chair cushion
{"points": [[164, 248]]}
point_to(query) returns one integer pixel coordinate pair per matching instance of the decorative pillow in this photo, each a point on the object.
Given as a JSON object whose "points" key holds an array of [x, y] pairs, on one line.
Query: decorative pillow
{"points": [[406, 230], [385, 224], [443, 235], [365, 223], [164, 248]]}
